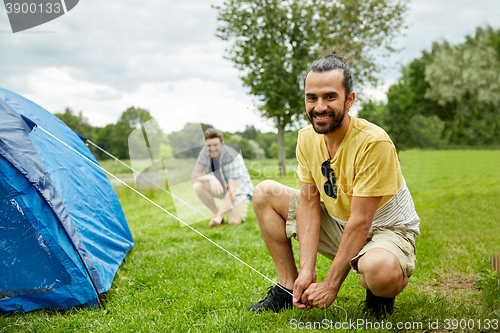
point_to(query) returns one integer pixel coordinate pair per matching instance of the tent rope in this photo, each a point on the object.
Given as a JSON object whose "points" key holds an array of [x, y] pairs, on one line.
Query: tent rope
{"points": [[140, 175], [160, 207], [175, 217]]}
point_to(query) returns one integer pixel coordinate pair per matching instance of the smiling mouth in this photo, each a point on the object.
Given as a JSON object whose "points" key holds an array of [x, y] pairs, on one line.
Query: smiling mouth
{"points": [[321, 119]]}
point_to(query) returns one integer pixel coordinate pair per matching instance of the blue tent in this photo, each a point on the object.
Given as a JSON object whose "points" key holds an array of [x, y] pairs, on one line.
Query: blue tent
{"points": [[63, 234]]}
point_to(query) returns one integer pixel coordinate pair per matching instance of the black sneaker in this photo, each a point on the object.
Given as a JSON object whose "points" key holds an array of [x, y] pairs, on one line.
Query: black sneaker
{"points": [[277, 299], [377, 306]]}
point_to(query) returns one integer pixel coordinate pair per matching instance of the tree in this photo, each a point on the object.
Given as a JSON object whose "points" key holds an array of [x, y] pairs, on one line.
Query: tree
{"points": [[274, 42], [250, 132], [465, 80], [146, 138], [375, 112], [405, 99], [188, 142], [110, 138], [265, 140], [291, 145], [258, 152], [427, 131], [77, 123], [80, 125], [457, 73], [114, 137], [240, 144], [493, 39], [459, 84]]}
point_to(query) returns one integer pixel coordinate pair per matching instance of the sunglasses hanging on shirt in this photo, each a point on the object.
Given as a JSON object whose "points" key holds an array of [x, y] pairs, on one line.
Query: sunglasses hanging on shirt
{"points": [[330, 186]]}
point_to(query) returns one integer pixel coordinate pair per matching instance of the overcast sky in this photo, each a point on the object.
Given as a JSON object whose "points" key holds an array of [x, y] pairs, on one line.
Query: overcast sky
{"points": [[105, 56]]}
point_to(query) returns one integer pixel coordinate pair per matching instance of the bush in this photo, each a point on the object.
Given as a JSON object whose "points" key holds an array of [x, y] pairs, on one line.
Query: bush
{"points": [[427, 131]]}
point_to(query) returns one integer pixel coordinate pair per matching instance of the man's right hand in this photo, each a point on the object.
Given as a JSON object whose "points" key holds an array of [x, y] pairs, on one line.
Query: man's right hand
{"points": [[303, 281], [215, 186]]}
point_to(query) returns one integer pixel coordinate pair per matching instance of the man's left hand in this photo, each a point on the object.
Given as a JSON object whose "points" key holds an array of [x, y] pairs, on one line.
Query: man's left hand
{"points": [[319, 295]]}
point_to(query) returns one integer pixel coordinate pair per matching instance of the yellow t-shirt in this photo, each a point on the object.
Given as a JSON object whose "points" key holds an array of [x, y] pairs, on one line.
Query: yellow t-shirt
{"points": [[365, 165]]}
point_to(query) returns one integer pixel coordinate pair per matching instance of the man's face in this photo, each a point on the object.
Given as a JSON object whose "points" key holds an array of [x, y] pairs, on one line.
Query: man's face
{"points": [[325, 100], [214, 146]]}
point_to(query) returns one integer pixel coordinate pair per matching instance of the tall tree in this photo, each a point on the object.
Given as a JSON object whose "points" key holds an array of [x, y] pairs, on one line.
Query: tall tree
{"points": [[114, 137], [145, 137], [274, 41], [465, 80], [134, 117], [406, 99], [459, 84]]}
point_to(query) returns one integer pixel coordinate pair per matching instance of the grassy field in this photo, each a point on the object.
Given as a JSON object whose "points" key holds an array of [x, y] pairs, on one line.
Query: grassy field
{"points": [[176, 281]]}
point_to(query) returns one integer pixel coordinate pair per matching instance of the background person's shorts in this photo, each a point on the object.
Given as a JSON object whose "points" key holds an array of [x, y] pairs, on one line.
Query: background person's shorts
{"points": [[392, 239], [240, 204], [240, 208]]}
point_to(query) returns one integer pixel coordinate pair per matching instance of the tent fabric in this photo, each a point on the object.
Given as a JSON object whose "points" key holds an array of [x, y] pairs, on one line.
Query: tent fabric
{"points": [[63, 234]]}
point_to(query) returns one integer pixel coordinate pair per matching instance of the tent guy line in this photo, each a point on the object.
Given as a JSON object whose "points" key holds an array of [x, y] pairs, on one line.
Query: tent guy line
{"points": [[172, 215], [163, 209], [140, 175]]}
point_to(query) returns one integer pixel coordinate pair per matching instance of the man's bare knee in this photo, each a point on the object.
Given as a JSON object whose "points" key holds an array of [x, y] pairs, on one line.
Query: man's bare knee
{"points": [[382, 273], [270, 195], [262, 191], [269, 191], [198, 187]]}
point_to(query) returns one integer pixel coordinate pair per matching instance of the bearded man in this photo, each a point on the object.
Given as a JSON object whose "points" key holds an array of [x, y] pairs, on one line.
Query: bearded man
{"points": [[353, 205]]}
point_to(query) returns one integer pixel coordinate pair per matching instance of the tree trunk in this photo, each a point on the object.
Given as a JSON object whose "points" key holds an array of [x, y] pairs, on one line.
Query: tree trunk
{"points": [[281, 148]]}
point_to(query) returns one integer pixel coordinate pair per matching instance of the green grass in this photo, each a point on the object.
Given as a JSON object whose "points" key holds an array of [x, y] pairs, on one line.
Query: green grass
{"points": [[176, 281]]}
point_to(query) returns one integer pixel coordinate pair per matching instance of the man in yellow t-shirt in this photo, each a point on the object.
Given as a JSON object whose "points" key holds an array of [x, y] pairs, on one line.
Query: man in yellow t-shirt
{"points": [[353, 205]]}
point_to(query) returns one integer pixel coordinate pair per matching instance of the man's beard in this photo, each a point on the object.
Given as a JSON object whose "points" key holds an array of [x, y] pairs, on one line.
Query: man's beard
{"points": [[337, 119]]}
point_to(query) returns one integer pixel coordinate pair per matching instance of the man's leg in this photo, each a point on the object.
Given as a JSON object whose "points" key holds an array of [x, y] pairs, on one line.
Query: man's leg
{"points": [[384, 268], [205, 195], [270, 203], [381, 273], [234, 221], [238, 213]]}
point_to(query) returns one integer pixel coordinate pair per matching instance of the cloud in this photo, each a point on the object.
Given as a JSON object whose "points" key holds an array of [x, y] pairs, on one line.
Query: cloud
{"points": [[105, 56], [172, 103], [123, 44]]}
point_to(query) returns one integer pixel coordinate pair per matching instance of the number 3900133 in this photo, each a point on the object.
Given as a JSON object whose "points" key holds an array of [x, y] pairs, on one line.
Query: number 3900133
{"points": [[26, 7]]}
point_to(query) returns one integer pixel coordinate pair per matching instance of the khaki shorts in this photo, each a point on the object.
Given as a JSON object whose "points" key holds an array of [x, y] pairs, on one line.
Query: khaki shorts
{"points": [[240, 205], [240, 208], [392, 239]]}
